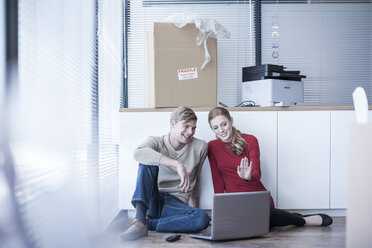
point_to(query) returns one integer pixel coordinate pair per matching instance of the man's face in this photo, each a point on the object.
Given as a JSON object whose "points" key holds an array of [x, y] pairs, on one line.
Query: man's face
{"points": [[183, 131]]}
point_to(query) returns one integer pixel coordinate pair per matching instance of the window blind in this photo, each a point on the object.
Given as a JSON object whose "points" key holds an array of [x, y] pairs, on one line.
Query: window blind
{"points": [[328, 41], [233, 53], [65, 127], [55, 132], [11, 235], [2, 58], [110, 43]]}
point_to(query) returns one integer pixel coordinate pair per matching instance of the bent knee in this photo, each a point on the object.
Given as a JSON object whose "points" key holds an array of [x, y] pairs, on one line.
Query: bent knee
{"points": [[201, 220]]}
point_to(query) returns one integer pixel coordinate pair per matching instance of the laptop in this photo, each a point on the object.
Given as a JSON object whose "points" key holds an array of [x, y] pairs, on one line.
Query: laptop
{"points": [[238, 215]]}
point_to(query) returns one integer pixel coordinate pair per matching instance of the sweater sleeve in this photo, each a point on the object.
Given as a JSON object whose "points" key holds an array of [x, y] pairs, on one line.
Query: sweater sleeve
{"points": [[254, 157], [218, 182], [148, 152], [203, 156]]}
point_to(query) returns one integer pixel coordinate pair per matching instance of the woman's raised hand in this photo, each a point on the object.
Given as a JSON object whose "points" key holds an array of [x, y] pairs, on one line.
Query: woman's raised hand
{"points": [[244, 169]]}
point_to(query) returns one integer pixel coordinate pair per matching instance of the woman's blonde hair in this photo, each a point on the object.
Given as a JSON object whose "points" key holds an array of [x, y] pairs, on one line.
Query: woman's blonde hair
{"points": [[238, 143]]}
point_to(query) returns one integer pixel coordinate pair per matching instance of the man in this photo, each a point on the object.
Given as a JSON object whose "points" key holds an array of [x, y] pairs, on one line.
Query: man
{"points": [[168, 180]]}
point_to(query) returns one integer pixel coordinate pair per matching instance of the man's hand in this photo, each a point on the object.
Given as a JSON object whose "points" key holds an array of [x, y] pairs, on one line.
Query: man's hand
{"points": [[244, 169], [184, 176], [181, 171]]}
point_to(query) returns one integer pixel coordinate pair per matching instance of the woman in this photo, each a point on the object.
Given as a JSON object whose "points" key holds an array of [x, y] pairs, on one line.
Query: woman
{"points": [[235, 165]]}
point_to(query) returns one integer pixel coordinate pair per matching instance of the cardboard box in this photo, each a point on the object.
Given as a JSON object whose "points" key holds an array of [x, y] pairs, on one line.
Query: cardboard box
{"points": [[174, 62]]}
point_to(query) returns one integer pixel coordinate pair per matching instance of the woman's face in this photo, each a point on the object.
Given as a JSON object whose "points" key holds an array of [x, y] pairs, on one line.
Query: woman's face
{"points": [[222, 127]]}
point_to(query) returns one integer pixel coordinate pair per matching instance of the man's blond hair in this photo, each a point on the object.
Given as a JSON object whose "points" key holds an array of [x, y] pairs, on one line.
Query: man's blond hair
{"points": [[183, 114]]}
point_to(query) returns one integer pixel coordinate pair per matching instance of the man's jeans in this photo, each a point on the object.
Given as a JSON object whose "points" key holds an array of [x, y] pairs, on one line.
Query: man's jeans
{"points": [[167, 213]]}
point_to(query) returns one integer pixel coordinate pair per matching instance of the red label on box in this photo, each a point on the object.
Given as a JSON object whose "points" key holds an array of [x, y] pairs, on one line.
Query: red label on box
{"points": [[188, 73]]}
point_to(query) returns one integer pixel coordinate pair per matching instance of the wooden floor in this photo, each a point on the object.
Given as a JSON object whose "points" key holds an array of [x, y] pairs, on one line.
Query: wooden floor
{"points": [[286, 237]]}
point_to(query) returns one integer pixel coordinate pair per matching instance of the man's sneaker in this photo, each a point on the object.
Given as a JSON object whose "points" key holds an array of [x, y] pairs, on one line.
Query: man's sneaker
{"points": [[135, 231]]}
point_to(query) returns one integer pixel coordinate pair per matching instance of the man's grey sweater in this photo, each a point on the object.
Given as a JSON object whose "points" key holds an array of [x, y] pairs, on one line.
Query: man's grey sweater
{"points": [[192, 156]]}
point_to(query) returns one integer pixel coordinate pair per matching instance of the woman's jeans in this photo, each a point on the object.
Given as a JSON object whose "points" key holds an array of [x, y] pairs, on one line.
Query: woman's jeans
{"points": [[167, 213]]}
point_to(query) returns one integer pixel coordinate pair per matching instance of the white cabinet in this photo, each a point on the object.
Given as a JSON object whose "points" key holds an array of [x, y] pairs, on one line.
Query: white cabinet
{"points": [[304, 154], [340, 122], [263, 125], [303, 159], [340, 145]]}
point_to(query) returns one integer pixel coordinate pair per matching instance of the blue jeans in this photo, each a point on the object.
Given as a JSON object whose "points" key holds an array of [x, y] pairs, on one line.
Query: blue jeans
{"points": [[167, 213]]}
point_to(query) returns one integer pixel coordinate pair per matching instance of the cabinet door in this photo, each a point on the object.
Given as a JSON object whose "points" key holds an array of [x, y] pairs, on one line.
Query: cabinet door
{"points": [[303, 159], [340, 144], [340, 122], [263, 125]]}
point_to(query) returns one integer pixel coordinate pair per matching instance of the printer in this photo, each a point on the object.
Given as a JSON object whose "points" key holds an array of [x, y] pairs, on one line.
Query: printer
{"points": [[273, 92], [269, 85]]}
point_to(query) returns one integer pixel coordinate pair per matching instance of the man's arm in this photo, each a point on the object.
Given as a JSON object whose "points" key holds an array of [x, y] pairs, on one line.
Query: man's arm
{"points": [[181, 171], [148, 152], [194, 202], [217, 179]]}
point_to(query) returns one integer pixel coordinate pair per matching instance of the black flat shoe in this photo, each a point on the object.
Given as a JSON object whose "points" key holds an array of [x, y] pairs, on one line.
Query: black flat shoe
{"points": [[326, 219]]}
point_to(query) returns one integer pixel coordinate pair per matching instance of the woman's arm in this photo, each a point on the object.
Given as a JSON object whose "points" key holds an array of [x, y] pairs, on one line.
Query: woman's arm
{"points": [[196, 191], [218, 182], [254, 158]]}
